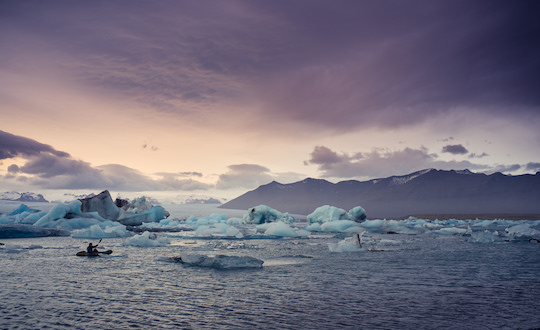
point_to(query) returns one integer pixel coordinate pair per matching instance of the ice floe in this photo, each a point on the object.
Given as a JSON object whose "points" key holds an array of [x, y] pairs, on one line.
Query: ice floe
{"points": [[219, 261]]}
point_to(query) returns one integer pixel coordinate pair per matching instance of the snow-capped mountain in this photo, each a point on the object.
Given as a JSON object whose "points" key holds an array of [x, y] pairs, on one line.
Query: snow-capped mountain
{"points": [[22, 197], [428, 191]]}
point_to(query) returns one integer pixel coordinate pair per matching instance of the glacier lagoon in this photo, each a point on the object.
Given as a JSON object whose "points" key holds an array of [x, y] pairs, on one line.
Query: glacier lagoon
{"points": [[446, 275]]}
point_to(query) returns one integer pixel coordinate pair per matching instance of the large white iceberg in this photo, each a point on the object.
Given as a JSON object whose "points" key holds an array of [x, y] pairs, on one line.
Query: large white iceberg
{"points": [[106, 229], [147, 239], [263, 214], [327, 213], [282, 229]]}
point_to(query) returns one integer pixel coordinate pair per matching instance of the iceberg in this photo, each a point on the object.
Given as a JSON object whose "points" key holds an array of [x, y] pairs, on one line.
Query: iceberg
{"points": [[58, 212], [219, 261], [523, 230], [107, 229], [484, 237], [102, 204], [340, 226], [282, 229], [147, 239], [349, 244], [23, 209], [263, 214], [327, 213], [153, 214], [17, 230]]}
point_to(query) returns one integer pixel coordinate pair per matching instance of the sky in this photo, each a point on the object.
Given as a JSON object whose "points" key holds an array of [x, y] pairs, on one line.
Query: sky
{"points": [[218, 97]]}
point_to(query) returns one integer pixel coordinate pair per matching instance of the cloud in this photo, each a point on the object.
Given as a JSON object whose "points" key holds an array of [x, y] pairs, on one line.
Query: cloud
{"points": [[245, 176], [504, 168], [12, 146], [49, 168], [380, 163], [455, 149], [251, 176], [324, 156], [180, 174], [532, 167], [482, 155], [345, 66], [13, 169]]}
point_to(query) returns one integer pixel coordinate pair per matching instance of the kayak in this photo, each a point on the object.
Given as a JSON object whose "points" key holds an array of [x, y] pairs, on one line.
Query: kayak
{"points": [[92, 254]]}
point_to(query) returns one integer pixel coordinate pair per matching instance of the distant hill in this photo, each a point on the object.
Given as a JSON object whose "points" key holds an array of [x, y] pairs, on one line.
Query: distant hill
{"points": [[22, 197], [424, 192]]}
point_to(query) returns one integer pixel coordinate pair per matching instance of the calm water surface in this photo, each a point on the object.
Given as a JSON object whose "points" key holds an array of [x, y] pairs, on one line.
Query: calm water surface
{"points": [[422, 282]]}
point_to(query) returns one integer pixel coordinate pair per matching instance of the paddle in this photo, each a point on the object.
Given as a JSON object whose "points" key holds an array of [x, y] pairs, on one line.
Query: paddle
{"points": [[103, 252]]}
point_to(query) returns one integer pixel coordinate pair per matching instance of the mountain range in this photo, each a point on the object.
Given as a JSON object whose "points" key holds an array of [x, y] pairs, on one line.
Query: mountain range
{"points": [[22, 197], [428, 191]]}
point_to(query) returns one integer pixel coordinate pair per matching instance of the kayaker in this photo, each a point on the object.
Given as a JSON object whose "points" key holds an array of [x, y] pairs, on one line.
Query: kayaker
{"points": [[92, 248]]}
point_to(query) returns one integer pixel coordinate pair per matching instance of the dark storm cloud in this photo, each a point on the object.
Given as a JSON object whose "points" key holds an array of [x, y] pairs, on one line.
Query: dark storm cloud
{"points": [[455, 149], [482, 155], [382, 163], [12, 146], [47, 167], [532, 167], [329, 64]]}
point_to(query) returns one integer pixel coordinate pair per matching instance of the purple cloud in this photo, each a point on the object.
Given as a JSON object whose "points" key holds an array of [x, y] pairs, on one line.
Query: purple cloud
{"points": [[12, 146], [49, 168], [455, 149], [333, 65], [382, 163], [533, 166]]}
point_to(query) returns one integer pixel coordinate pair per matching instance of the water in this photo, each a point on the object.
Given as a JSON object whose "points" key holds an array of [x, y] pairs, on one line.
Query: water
{"points": [[422, 282]]}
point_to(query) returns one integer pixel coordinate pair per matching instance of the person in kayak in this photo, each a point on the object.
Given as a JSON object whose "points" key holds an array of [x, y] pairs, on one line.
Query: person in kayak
{"points": [[92, 248]]}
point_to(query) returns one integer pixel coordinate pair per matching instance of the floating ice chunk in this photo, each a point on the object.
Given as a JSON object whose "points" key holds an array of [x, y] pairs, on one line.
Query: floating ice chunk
{"points": [[235, 221], [137, 205], [523, 230], [357, 213], [314, 227], [452, 231], [284, 230], [483, 223], [102, 204], [373, 225], [264, 214], [153, 214], [432, 226], [349, 244], [340, 226], [32, 218], [220, 261], [484, 237], [22, 209], [327, 213], [107, 229], [26, 231], [147, 239], [60, 211], [206, 231], [233, 231]]}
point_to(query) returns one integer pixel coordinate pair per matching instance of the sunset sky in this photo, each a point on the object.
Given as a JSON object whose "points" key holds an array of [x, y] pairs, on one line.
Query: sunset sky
{"points": [[219, 97]]}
